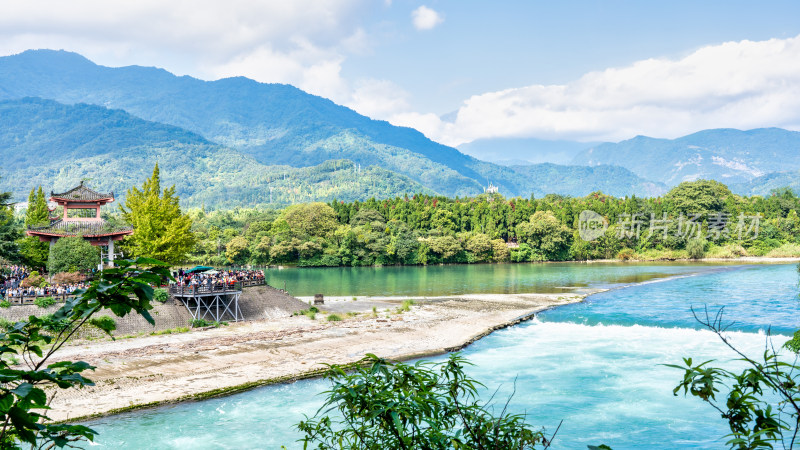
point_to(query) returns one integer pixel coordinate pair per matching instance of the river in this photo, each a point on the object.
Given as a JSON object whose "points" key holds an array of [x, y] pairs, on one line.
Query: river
{"points": [[596, 365]]}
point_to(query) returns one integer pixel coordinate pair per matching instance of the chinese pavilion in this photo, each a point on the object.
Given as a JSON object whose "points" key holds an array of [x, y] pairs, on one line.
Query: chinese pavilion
{"points": [[82, 218]]}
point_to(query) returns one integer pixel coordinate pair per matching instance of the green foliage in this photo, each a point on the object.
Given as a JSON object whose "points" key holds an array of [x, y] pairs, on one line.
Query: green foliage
{"points": [[160, 295], [106, 324], [699, 197], [334, 318], [405, 306], [72, 254], [9, 233], [696, 248], [44, 302], [311, 312], [33, 251], [202, 323], [395, 405], [5, 304], [161, 230], [433, 229], [23, 401], [759, 403]]}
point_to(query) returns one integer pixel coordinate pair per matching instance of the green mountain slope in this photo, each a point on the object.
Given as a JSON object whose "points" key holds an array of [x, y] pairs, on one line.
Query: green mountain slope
{"points": [[726, 155], [274, 124], [43, 142], [574, 180], [764, 184]]}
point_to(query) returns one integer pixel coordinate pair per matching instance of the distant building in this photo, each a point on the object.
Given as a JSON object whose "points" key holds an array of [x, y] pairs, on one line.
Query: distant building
{"points": [[492, 189]]}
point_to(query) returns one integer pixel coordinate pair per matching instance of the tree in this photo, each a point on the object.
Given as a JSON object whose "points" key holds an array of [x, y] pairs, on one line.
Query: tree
{"points": [[33, 251], [546, 235], [23, 402], [480, 246], [237, 250], [9, 234], [310, 219], [161, 230], [698, 197], [72, 254], [393, 405]]}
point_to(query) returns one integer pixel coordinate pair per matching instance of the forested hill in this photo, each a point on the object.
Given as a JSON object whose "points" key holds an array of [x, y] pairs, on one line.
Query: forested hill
{"points": [[46, 143], [727, 155], [281, 125], [275, 123]]}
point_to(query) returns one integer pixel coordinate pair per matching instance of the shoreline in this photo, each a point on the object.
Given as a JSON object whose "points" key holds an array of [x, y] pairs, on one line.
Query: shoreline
{"points": [[152, 371]]}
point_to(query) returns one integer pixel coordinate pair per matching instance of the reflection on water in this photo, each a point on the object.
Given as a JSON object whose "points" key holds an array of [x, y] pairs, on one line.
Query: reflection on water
{"points": [[468, 279]]}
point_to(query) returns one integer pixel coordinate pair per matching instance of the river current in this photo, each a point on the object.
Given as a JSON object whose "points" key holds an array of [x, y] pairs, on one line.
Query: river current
{"points": [[597, 365]]}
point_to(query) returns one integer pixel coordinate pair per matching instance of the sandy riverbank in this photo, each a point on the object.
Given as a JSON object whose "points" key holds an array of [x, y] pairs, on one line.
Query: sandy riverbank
{"points": [[162, 369]]}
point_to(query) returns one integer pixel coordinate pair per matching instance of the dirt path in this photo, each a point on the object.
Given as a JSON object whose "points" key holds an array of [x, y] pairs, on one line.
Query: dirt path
{"points": [[153, 370]]}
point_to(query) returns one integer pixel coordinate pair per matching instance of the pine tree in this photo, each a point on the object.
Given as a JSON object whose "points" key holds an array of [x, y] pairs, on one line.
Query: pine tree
{"points": [[8, 232], [161, 230], [33, 251]]}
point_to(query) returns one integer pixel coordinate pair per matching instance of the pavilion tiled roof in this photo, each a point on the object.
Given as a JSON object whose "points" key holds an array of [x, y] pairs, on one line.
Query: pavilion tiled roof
{"points": [[82, 193], [84, 228]]}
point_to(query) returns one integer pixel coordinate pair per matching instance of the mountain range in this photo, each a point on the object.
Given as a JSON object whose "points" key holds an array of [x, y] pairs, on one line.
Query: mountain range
{"points": [[239, 142]]}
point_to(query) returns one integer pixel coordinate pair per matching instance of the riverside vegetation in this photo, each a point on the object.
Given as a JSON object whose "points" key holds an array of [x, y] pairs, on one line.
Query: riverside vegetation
{"points": [[426, 229]]}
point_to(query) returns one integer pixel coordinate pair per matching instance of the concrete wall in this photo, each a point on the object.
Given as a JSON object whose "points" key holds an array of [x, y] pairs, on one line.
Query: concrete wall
{"points": [[255, 303], [167, 316]]}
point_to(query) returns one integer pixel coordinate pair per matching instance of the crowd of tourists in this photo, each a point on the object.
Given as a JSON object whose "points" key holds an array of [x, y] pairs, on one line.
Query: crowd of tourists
{"points": [[12, 284], [216, 278], [11, 277]]}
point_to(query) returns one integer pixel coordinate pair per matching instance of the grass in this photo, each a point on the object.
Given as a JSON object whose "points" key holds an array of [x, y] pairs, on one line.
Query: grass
{"points": [[170, 331], [199, 323], [660, 255], [405, 306], [728, 251], [787, 250], [311, 313], [334, 318]]}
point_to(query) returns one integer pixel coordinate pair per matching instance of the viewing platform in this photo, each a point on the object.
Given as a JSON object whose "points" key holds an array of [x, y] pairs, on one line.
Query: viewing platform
{"points": [[218, 302]]}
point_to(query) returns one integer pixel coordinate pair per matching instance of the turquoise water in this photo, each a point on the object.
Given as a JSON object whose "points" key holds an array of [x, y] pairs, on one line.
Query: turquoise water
{"points": [[595, 365], [467, 279]]}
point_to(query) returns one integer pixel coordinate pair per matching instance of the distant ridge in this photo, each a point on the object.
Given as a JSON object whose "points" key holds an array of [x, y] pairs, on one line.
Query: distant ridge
{"points": [[727, 155], [275, 124]]}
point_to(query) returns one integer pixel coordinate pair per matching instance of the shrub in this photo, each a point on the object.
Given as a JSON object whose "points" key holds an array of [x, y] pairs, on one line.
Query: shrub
{"points": [[5, 304], [68, 278], [33, 280], [787, 250], [44, 302], [199, 323], [334, 318], [626, 254], [5, 324], [726, 251], [424, 405], [696, 248], [160, 295], [104, 323]]}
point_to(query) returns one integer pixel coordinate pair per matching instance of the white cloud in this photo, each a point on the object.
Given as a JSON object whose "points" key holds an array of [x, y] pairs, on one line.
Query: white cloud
{"points": [[736, 84], [425, 18], [299, 42], [296, 42]]}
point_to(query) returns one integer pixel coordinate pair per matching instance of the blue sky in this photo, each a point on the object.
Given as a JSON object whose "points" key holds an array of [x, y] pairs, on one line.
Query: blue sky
{"points": [[464, 70], [489, 46]]}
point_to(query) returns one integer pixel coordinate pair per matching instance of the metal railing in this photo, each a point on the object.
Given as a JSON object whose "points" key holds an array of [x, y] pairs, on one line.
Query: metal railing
{"points": [[215, 288]]}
